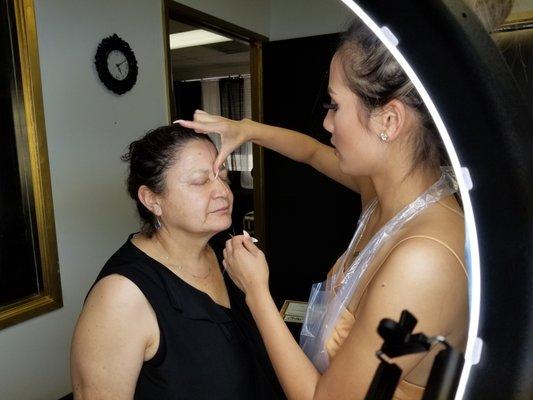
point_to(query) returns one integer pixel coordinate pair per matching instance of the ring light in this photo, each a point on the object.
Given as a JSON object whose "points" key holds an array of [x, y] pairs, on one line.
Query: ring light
{"points": [[474, 102]]}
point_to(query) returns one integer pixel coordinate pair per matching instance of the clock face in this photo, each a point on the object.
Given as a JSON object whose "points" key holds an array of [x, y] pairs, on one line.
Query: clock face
{"points": [[117, 65]]}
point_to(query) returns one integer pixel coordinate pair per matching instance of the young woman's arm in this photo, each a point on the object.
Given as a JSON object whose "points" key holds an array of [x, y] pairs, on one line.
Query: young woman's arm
{"points": [[292, 144], [419, 275], [113, 335]]}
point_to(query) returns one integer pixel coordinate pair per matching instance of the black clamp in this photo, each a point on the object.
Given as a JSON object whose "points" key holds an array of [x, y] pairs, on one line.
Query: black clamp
{"points": [[399, 340]]}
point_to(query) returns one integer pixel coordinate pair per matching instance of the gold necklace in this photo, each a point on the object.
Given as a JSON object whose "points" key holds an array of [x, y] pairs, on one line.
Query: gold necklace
{"points": [[179, 267]]}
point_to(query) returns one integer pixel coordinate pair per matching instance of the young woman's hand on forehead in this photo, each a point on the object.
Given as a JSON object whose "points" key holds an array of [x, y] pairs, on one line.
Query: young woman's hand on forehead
{"points": [[232, 133]]}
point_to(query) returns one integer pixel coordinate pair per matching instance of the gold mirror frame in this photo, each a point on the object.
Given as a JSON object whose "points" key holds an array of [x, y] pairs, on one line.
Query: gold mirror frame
{"points": [[30, 125]]}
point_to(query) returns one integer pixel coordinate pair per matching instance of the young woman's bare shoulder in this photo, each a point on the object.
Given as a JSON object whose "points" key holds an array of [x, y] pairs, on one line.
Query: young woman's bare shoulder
{"points": [[425, 277], [439, 228], [422, 254]]}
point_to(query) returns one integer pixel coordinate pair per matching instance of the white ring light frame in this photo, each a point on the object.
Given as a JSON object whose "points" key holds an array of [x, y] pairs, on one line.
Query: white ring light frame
{"points": [[465, 185]]}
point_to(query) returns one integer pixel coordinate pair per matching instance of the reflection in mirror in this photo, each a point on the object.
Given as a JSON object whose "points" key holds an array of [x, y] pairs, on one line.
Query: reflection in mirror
{"points": [[16, 247], [29, 276]]}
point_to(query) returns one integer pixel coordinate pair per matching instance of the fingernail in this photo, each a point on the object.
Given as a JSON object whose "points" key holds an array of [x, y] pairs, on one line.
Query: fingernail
{"points": [[254, 240]]}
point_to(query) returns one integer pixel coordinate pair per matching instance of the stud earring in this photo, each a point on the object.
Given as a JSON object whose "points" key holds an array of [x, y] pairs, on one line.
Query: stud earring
{"points": [[383, 136], [157, 223]]}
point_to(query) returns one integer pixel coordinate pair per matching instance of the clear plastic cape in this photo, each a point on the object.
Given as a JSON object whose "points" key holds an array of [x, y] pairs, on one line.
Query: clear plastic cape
{"points": [[325, 304]]}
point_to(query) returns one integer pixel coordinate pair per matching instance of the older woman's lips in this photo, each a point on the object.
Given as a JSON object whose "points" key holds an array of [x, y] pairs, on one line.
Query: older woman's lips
{"points": [[221, 210]]}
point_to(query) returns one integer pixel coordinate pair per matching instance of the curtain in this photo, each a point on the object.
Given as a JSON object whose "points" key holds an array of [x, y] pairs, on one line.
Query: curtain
{"points": [[232, 106], [247, 148], [211, 104]]}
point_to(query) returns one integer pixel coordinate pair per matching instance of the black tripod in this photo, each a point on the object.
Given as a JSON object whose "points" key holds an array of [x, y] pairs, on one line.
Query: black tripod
{"points": [[398, 340]]}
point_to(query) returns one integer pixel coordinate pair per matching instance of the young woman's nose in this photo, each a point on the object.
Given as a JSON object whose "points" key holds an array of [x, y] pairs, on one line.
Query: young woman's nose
{"points": [[328, 122]]}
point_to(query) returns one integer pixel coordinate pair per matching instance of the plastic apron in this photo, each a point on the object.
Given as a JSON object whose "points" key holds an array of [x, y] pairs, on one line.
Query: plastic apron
{"points": [[325, 304]]}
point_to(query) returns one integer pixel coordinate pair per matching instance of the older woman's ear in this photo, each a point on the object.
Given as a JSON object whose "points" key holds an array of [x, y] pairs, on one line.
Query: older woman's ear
{"points": [[149, 199]]}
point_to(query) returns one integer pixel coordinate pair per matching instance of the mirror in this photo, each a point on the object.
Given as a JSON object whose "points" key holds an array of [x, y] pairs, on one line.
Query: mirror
{"points": [[29, 270]]}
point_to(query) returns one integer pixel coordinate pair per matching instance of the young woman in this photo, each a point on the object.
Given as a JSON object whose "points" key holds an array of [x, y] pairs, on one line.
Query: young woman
{"points": [[407, 252]]}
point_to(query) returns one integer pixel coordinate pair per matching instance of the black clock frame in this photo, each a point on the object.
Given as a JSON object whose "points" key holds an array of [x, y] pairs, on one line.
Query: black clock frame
{"points": [[106, 46]]}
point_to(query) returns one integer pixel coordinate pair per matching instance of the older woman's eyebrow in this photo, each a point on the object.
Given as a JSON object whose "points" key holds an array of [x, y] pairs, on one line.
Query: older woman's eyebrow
{"points": [[206, 171], [195, 173]]}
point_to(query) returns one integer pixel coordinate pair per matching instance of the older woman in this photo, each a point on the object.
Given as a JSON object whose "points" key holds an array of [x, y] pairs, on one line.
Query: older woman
{"points": [[407, 251], [161, 321]]}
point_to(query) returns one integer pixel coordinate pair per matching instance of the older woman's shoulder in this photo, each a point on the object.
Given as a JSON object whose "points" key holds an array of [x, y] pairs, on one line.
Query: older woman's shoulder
{"points": [[115, 332], [116, 298], [115, 288], [125, 282]]}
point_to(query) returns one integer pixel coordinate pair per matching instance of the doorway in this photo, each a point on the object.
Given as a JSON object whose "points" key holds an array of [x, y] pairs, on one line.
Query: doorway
{"points": [[215, 66]]}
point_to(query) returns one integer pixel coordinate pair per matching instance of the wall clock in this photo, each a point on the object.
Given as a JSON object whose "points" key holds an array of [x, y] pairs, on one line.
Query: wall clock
{"points": [[116, 64]]}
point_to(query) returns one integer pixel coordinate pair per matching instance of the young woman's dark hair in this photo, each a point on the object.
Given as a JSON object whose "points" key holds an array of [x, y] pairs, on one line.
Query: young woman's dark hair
{"points": [[374, 75], [149, 158]]}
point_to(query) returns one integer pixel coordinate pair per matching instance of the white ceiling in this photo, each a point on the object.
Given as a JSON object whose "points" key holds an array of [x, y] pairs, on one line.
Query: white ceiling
{"points": [[216, 59]]}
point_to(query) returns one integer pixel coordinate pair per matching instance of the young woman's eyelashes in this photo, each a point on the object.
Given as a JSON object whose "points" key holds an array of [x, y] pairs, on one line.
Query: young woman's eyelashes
{"points": [[330, 106]]}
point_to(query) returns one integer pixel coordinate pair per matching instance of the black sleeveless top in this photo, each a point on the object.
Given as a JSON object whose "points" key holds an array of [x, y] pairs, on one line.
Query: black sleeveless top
{"points": [[206, 351]]}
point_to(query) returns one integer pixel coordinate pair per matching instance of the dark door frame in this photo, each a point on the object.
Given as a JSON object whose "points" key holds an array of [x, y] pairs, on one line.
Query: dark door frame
{"points": [[191, 16]]}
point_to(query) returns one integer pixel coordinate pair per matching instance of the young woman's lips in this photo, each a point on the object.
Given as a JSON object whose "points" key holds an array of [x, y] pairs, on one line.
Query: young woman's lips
{"points": [[335, 151]]}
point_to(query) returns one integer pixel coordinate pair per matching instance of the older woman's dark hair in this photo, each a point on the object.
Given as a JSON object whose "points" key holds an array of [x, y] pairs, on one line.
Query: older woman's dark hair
{"points": [[149, 159]]}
